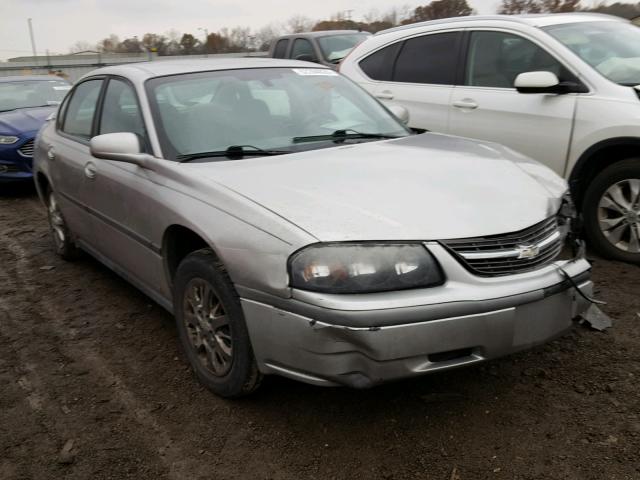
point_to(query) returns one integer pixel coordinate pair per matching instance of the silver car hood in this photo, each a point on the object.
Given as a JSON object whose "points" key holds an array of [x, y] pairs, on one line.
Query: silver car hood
{"points": [[423, 187]]}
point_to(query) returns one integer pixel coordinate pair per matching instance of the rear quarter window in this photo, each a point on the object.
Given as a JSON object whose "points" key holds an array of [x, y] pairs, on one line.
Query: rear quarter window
{"points": [[379, 65]]}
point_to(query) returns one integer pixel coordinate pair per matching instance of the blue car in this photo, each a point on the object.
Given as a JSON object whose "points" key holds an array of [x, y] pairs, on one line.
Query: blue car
{"points": [[25, 104]]}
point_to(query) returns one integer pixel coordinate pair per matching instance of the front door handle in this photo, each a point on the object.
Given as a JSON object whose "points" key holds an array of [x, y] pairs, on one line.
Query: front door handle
{"points": [[386, 95], [90, 170], [466, 103]]}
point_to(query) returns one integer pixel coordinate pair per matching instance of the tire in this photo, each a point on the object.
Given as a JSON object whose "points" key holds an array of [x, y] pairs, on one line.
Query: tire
{"points": [[211, 326], [63, 242], [612, 225]]}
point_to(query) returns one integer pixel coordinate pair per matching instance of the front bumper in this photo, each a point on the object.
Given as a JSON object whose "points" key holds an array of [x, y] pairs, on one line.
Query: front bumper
{"points": [[328, 344], [14, 166]]}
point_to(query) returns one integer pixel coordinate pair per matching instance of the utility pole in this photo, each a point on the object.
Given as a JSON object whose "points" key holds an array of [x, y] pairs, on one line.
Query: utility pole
{"points": [[33, 42], [206, 40]]}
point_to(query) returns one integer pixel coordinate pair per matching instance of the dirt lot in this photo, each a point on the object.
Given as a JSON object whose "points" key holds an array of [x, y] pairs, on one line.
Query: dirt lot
{"points": [[93, 385]]}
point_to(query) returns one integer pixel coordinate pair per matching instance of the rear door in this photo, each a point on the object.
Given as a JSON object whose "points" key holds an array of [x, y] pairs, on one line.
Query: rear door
{"points": [[488, 107], [69, 155], [419, 73]]}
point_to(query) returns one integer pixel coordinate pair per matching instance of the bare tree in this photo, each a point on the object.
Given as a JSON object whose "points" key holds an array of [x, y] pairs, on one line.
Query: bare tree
{"points": [[80, 46], [515, 7], [299, 23], [266, 35], [441, 9], [109, 44]]}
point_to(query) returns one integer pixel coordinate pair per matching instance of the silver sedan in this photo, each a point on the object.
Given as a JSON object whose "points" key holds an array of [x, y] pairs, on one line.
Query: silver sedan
{"points": [[294, 226]]}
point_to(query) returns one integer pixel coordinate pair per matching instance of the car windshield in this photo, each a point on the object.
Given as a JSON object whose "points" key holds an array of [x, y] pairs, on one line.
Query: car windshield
{"points": [[263, 108], [336, 47], [612, 48], [31, 93]]}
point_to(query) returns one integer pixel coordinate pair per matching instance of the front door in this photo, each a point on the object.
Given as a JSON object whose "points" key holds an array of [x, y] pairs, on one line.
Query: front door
{"points": [[488, 107]]}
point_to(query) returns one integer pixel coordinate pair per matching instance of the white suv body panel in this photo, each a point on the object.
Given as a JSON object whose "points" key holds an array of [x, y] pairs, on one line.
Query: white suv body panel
{"points": [[560, 128]]}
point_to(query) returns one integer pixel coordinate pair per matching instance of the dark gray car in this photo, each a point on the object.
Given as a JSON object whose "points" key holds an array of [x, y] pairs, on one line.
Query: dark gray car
{"points": [[324, 47]]}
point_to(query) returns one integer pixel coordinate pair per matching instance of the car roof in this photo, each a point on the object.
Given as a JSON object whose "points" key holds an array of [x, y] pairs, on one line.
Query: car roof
{"points": [[323, 33], [22, 78], [534, 20], [160, 68]]}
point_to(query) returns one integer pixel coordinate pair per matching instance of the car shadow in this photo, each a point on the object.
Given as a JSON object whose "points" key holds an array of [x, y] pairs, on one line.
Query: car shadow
{"points": [[17, 190]]}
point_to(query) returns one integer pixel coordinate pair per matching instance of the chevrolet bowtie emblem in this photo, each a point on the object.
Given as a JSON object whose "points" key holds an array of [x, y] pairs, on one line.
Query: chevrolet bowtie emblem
{"points": [[528, 251]]}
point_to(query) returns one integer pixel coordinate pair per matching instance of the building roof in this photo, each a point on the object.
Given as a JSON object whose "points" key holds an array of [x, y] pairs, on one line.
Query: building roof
{"points": [[22, 78]]}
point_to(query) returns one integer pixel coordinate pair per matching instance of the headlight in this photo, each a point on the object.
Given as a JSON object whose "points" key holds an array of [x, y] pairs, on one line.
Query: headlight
{"points": [[363, 268], [8, 140]]}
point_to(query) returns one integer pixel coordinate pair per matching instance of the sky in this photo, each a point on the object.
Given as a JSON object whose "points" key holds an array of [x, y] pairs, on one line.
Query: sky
{"points": [[58, 24]]}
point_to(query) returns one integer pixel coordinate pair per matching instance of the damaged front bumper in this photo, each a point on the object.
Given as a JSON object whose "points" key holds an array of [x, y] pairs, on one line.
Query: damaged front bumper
{"points": [[364, 340]]}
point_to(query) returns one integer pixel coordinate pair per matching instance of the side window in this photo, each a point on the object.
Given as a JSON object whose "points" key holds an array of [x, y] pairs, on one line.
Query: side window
{"points": [[120, 111], [302, 46], [281, 48], [428, 59], [78, 117], [495, 59], [379, 65]]}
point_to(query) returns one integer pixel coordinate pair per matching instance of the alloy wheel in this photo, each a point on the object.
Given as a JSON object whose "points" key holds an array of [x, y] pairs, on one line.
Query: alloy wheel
{"points": [[208, 328], [619, 215]]}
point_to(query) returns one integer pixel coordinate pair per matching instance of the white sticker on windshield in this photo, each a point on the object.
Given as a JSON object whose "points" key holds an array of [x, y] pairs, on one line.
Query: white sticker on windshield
{"points": [[307, 72], [63, 88]]}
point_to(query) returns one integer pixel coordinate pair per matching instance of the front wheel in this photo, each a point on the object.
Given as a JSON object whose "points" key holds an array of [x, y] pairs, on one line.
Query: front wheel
{"points": [[211, 326], [611, 211]]}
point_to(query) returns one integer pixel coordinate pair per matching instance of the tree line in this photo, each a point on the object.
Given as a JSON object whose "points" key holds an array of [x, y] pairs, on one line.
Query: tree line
{"points": [[242, 39]]}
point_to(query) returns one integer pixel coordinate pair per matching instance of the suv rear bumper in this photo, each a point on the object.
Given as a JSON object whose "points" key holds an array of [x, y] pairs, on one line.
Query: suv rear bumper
{"points": [[323, 352]]}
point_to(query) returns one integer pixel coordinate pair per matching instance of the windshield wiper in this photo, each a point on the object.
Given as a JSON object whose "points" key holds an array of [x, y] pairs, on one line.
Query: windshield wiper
{"points": [[233, 152], [341, 135]]}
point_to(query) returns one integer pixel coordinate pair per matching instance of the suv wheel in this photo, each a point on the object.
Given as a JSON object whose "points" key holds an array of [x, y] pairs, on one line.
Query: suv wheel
{"points": [[612, 211], [62, 238], [211, 326]]}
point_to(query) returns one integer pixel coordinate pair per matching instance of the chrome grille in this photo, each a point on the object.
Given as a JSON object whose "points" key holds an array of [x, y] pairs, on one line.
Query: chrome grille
{"points": [[26, 150], [511, 253]]}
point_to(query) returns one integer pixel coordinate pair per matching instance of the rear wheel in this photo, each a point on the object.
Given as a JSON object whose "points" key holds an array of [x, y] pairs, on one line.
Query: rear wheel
{"points": [[612, 211], [62, 238], [211, 326]]}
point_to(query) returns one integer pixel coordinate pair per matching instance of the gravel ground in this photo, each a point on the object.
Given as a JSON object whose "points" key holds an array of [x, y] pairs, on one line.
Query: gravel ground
{"points": [[93, 385]]}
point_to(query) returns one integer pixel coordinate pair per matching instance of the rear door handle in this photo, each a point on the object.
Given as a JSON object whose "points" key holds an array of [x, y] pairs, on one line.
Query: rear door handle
{"points": [[470, 104], [90, 170], [386, 95]]}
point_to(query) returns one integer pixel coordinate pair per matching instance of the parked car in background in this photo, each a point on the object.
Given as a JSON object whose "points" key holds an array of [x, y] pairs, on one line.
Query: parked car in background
{"points": [[25, 104], [325, 47], [563, 89], [295, 227]]}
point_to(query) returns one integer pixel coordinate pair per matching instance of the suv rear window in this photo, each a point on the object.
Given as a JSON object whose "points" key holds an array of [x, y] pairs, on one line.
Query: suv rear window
{"points": [[428, 59]]}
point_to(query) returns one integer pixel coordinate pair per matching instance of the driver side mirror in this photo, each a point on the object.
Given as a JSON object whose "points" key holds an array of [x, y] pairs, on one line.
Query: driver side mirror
{"points": [[120, 147], [545, 82]]}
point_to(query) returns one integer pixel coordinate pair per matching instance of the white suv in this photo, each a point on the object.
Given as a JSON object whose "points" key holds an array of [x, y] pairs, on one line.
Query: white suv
{"points": [[562, 89]]}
